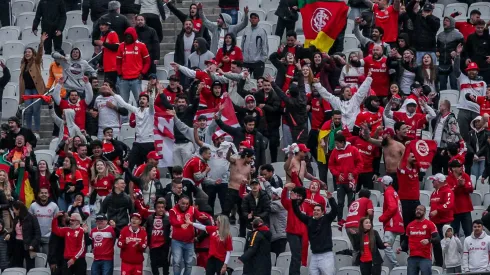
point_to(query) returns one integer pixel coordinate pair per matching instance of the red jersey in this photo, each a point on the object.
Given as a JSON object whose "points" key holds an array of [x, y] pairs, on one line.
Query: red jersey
{"points": [[64, 179], [442, 200], [461, 192], [418, 231], [235, 54], [103, 186], [380, 74], [484, 105], [311, 201], [392, 217], [170, 96], [139, 171], [109, 57], [74, 240], [134, 58], [44, 183], [465, 28], [367, 255], [80, 109], [103, 243], [132, 244], [194, 166], [197, 24], [367, 151], [217, 247], [345, 161], [414, 123], [83, 166], [294, 225], [290, 69], [358, 209], [408, 183], [388, 20], [373, 120], [177, 219], [207, 99], [157, 232], [319, 107]]}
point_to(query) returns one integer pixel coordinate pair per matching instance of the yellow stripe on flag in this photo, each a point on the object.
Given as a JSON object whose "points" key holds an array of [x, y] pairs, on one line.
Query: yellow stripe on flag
{"points": [[323, 42], [28, 193]]}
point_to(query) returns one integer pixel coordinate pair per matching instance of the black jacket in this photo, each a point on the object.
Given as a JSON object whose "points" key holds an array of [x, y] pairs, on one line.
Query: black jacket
{"points": [[4, 250], [426, 29], [272, 108], [9, 141], [96, 8], [179, 56], [120, 150], [296, 113], [148, 35], [119, 24], [128, 6], [5, 78], [51, 14], [477, 49], [56, 244], [238, 135], [118, 207], [257, 256], [31, 233], [319, 230], [377, 259], [171, 199], [476, 140], [261, 208], [165, 228], [285, 11]]}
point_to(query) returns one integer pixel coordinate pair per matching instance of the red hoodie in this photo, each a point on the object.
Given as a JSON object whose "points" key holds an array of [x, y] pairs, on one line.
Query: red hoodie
{"points": [[312, 200], [294, 225], [442, 200], [134, 58], [177, 219], [132, 244], [461, 193], [345, 161], [74, 240], [392, 218]]}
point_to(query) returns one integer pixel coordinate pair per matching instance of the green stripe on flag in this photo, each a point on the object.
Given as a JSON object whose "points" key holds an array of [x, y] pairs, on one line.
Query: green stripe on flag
{"points": [[302, 3]]}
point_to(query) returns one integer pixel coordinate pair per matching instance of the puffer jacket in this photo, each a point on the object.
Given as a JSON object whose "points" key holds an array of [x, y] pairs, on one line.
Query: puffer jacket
{"points": [[278, 220], [118, 207], [477, 140], [425, 27], [447, 41], [227, 28], [96, 8], [260, 208]]}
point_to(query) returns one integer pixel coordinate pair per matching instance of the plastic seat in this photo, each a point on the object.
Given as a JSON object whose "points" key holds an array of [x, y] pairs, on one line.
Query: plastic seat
{"points": [[350, 42], [350, 26], [269, 5], [456, 7], [483, 7], [167, 59], [66, 46], [270, 17], [267, 26], [53, 145], [301, 38], [127, 131], [234, 231], [9, 107], [428, 185], [349, 270], [234, 262], [342, 261], [276, 271], [252, 5], [86, 48], [78, 32], [15, 271], [117, 270], [376, 197], [273, 41], [8, 34], [425, 197], [401, 270], [272, 71], [476, 198], [73, 18], [451, 95], [47, 60], [25, 19], [39, 271], [378, 211], [340, 244], [21, 6], [437, 270], [41, 260], [283, 260], [45, 155], [402, 258], [299, 24], [11, 90], [13, 47], [438, 10], [32, 44], [129, 141], [385, 270], [486, 200], [162, 73], [477, 212], [238, 244], [273, 258], [279, 169], [238, 271]]}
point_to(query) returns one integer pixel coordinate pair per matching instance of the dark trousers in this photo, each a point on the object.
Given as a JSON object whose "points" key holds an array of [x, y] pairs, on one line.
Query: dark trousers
{"points": [[138, 153], [284, 25], [19, 254], [313, 142], [462, 220], [274, 142], [51, 41], [153, 20], [452, 81], [71, 5], [419, 265], [438, 259], [368, 268], [78, 268], [299, 133], [216, 189], [256, 68], [408, 212], [232, 199], [112, 76], [213, 266], [159, 258], [464, 119], [342, 191], [4, 13], [295, 245], [279, 246], [440, 162], [365, 180]]}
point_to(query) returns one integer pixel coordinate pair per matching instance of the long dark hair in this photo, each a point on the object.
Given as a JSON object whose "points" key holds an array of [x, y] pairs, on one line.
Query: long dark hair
{"points": [[48, 173], [232, 46], [34, 53], [432, 68], [370, 233], [73, 169], [18, 205]]}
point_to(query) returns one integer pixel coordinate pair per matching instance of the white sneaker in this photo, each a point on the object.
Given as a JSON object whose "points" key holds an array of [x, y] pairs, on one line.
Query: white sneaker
{"points": [[37, 136]]}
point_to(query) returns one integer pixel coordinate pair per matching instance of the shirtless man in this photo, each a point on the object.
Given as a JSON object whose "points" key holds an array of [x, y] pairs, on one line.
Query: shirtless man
{"points": [[240, 173], [392, 150], [295, 165]]}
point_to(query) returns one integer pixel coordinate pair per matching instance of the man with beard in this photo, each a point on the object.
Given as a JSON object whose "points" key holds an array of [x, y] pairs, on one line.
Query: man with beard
{"points": [[197, 27], [238, 81], [321, 111], [386, 17], [468, 84], [353, 72], [113, 149], [372, 117], [415, 121], [132, 61], [269, 102], [7, 139], [295, 165], [158, 232], [149, 37], [144, 142], [107, 110], [171, 91], [371, 157], [377, 65], [200, 55], [251, 109], [44, 210], [74, 252], [91, 123], [421, 234], [376, 39]]}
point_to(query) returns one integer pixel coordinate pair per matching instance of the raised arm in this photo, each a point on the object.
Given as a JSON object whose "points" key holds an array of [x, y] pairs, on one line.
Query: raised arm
{"points": [[208, 24], [333, 100], [362, 39], [89, 93], [457, 61], [120, 102]]}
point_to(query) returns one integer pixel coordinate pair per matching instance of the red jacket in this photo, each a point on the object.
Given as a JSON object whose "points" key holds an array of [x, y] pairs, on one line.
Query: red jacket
{"points": [[132, 244], [392, 218], [194, 170], [294, 225], [345, 161], [461, 193], [312, 200], [442, 200], [74, 240], [134, 58], [177, 219], [235, 54], [103, 243]]}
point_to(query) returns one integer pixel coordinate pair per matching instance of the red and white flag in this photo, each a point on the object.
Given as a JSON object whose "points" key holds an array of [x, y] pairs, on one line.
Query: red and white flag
{"points": [[228, 115]]}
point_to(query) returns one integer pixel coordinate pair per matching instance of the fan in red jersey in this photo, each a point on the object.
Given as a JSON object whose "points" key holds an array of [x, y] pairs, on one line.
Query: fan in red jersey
{"points": [[103, 238], [132, 242], [408, 114], [74, 252]]}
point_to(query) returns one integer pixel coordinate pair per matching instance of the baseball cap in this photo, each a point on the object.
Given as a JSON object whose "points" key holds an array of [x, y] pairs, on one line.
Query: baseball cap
{"points": [[218, 134], [202, 117], [254, 14], [100, 217], [249, 98], [211, 61], [386, 180], [472, 66], [153, 155], [455, 163], [388, 131], [154, 76], [439, 177], [428, 7], [105, 23], [248, 152], [137, 215], [254, 181], [303, 148], [276, 191]]}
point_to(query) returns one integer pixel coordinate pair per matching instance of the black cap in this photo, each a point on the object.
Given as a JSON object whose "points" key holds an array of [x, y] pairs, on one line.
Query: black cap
{"points": [[254, 181], [415, 85], [248, 152], [455, 163], [173, 78], [152, 75], [101, 217], [202, 117], [216, 83], [254, 14], [14, 119], [428, 7], [105, 23]]}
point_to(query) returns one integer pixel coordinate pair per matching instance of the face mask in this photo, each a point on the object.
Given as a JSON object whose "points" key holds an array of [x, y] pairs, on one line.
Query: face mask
{"points": [[128, 39]]}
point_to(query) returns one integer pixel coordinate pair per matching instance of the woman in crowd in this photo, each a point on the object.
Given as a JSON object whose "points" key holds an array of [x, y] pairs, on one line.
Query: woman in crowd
{"points": [[102, 179], [5, 199], [25, 238], [321, 68], [79, 207], [308, 74], [69, 181], [368, 242], [428, 74], [229, 52], [406, 67], [148, 182], [42, 175]]}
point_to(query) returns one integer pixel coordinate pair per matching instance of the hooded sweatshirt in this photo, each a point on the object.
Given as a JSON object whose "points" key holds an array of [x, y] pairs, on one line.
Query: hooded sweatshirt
{"points": [[452, 249], [70, 129], [218, 33], [345, 161], [447, 41], [477, 138], [199, 57], [134, 57], [475, 253], [74, 70]]}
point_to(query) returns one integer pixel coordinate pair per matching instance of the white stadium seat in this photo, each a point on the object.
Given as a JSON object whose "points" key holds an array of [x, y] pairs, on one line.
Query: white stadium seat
{"points": [[476, 198], [25, 19], [451, 95], [340, 244], [239, 41], [86, 48], [7, 34], [13, 47], [162, 73], [127, 131], [27, 35], [273, 41], [9, 107], [73, 18], [47, 60], [11, 90], [260, 12], [272, 71], [45, 75], [460, 7], [167, 59], [349, 270], [252, 5], [350, 42], [234, 262], [401, 270], [299, 24], [342, 261], [283, 260], [14, 76], [78, 32], [32, 44], [39, 271], [271, 17], [267, 26], [238, 271], [438, 10], [238, 244], [477, 212], [350, 26], [41, 260], [269, 5], [425, 197], [483, 7], [21, 6], [301, 38], [486, 200]]}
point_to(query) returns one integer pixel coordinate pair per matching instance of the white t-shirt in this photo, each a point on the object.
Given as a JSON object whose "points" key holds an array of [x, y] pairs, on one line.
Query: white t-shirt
{"points": [[107, 116], [406, 81], [221, 39], [188, 44]]}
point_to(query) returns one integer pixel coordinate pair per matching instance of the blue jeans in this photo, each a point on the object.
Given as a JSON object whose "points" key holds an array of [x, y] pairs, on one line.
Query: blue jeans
{"points": [[102, 267], [182, 252], [477, 168], [453, 83], [390, 238], [421, 54], [34, 111], [233, 12], [126, 86], [419, 264]]}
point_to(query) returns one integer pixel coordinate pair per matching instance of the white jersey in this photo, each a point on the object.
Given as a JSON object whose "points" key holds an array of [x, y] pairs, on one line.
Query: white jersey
{"points": [[472, 87], [475, 253], [107, 116], [144, 120], [218, 163]]}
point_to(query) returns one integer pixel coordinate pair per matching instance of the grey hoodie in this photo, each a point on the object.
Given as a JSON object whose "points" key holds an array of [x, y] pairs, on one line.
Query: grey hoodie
{"points": [[447, 41], [74, 70], [227, 28], [452, 249], [255, 45], [198, 60]]}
